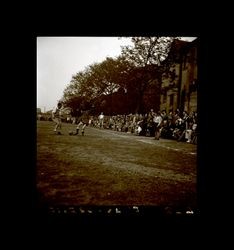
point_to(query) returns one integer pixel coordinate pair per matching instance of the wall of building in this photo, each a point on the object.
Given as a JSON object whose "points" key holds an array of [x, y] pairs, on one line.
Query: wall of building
{"points": [[181, 91]]}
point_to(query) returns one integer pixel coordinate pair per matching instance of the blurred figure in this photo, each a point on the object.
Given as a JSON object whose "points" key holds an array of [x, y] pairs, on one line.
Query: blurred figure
{"points": [[57, 118], [81, 125], [101, 119], [83, 121], [158, 121]]}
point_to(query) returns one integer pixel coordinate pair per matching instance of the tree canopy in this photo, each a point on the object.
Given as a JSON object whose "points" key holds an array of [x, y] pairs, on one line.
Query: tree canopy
{"points": [[133, 78]]}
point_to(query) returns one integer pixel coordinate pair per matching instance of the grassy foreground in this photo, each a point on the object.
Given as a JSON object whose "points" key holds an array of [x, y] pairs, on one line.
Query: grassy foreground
{"points": [[106, 167]]}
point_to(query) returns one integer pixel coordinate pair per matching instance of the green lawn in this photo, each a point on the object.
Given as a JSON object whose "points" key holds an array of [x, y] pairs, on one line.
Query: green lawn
{"points": [[105, 167]]}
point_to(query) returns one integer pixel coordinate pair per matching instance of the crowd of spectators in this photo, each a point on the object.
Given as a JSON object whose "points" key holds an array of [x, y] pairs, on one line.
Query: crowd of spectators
{"points": [[177, 125]]}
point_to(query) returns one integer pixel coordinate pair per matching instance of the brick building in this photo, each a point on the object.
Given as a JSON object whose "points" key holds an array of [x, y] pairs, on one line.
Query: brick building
{"points": [[179, 82]]}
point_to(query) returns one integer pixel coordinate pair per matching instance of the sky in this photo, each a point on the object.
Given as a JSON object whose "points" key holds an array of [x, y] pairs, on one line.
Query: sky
{"points": [[59, 58]]}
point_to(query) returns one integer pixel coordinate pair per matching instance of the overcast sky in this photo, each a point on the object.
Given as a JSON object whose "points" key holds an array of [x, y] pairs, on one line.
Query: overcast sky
{"points": [[58, 58]]}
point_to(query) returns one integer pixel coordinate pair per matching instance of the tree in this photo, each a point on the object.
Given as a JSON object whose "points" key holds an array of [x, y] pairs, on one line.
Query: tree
{"points": [[89, 87], [136, 73], [147, 55], [147, 50]]}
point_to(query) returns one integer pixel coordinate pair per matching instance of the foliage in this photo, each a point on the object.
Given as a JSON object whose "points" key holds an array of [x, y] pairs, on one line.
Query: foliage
{"points": [[133, 78], [147, 50]]}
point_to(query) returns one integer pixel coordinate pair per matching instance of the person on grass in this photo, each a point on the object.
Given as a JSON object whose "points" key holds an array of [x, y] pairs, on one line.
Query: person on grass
{"points": [[83, 121], [57, 118]]}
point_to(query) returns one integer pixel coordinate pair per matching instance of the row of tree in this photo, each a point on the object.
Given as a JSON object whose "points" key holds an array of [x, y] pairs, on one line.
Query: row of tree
{"points": [[130, 83]]}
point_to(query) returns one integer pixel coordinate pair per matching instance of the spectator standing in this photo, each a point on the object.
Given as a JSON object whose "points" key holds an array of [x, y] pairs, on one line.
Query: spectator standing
{"points": [[101, 119], [157, 120]]}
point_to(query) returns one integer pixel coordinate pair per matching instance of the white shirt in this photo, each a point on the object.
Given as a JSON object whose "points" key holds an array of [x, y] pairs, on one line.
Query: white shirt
{"points": [[158, 119]]}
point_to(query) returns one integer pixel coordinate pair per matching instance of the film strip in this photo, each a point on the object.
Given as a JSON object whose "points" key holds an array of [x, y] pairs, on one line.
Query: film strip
{"points": [[119, 211]]}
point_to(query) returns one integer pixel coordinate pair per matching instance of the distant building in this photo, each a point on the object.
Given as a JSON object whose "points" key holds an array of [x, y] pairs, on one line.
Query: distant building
{"points": [[38, 110], [179, 82]]}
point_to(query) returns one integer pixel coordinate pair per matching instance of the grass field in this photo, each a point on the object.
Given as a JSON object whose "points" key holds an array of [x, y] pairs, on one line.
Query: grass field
{"points": [[106, 167]]}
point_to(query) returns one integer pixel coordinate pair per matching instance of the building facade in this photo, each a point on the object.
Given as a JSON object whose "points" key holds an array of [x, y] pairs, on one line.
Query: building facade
{"points": [[179, 82]]}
